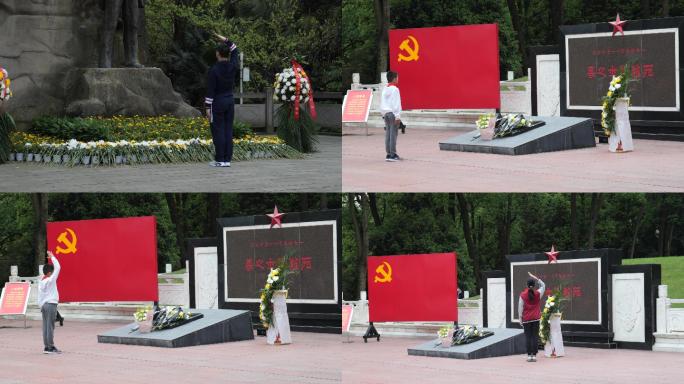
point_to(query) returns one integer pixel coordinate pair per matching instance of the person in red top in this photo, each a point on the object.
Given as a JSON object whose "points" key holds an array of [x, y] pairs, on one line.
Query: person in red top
{"points": [[529, 311]]}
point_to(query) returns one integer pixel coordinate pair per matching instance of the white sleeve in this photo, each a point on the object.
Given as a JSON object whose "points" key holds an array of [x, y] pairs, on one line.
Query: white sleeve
{"points": [[58, 267], [542, 288], [520, 308], [397, 104]]}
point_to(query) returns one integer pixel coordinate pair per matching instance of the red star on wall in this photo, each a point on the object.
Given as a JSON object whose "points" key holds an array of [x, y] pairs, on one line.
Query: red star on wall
{"points": [[276, 217], [617, 25], [552, 254]]}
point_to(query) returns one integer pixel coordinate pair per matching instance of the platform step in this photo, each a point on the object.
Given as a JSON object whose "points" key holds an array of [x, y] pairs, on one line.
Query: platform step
{"points": [[586, 344]]}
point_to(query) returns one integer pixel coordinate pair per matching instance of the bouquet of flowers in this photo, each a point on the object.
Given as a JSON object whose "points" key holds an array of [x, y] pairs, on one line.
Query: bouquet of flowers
{"points": [[276, 280], [552, 306], [6, 122], [292, 87], [619, 88], [466, 334], [143, 318], [170, 317], [483, 121], [511, 124], [5, 91]]}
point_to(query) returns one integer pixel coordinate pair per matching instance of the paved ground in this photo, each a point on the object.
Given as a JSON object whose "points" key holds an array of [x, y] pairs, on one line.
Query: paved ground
{"points": [[313, 358], [654, 166], [320, 172]]}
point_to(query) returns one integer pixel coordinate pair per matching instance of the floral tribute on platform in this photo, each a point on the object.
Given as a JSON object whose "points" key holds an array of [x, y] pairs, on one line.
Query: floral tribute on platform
{"points": [[497, 126], [619, 88], [296, 125], [464, 334], [552, 306], [136, 140], [162, 318]]}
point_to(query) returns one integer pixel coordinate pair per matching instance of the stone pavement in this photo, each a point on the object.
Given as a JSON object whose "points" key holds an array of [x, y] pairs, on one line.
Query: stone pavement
{"points": [[312, 358], [654, 166], [319, 172]]}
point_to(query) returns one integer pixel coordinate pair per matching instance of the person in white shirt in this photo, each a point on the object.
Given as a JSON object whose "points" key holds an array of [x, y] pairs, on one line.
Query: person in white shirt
{"points": [[48, 299], [390, 107]]}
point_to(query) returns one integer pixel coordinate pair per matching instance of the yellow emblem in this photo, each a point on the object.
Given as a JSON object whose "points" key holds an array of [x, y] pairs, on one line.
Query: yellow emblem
{"points": [[69, 240], [411, 50], [384, 273]]}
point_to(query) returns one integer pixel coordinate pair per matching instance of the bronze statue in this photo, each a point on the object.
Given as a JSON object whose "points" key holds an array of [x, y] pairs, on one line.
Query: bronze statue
{"points": [[131, 12]]}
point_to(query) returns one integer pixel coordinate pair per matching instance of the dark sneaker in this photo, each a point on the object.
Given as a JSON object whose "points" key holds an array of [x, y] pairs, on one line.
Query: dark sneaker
{"points": [[387, 158], [395, 157], [47, 351], [55, 350]]}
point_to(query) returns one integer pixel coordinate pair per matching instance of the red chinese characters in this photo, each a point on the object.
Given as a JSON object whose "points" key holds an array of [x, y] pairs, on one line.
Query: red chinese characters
{"points": [[637, 71], [262, 264]]}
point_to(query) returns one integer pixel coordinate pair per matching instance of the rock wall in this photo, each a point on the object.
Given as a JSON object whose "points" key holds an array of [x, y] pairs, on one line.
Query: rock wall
{"points": [[41, 40]]}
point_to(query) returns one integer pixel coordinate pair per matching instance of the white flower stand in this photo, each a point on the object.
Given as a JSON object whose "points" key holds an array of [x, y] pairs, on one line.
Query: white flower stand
{"points": [[554, 346], [620, 140], [279, 331]]}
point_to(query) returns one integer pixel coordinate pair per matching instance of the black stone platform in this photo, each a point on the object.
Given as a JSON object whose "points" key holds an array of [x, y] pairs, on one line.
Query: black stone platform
{"points": [[504, 342], [217, 326], [559, 134]]}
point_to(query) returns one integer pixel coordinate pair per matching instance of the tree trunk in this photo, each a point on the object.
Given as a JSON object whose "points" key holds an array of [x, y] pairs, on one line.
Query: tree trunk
{"points": [[662, 224], [373, 205], [40, 217], [468, 234], [213, 211], [556, 10], [304, 201], [666, 8], [645, 9], [574, 233], [596, 199], [360, 224], [517, 20], [382, 18], [176, 204], [637, 223]]}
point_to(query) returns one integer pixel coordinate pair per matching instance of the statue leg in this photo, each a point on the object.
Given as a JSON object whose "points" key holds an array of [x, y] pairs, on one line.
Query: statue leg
{"points": [[131, 11], [111, 17]]}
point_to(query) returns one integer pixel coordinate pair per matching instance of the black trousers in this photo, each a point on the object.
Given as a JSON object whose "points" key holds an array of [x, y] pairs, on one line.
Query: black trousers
{"points": [[532, 337], [223, 113]]}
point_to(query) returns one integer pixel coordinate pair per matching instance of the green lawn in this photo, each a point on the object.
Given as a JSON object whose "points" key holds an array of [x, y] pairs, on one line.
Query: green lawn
{"points": [[672, 272]]}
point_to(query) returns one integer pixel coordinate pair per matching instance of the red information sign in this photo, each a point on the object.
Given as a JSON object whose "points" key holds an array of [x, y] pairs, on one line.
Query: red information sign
{"points": [[356, 106], [447, 67], [413, 287], [106, 259], [14, 298], [347, 313]]}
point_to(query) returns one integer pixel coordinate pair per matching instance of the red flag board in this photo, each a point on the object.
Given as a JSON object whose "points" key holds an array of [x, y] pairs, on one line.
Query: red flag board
{"points": [[106, 259], [14, 298], [356, 106], [413, 287], [447, 67]]}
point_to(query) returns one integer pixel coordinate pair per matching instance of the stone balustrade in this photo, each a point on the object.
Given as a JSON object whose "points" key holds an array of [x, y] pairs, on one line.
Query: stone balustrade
{"points": [[669, 322]]}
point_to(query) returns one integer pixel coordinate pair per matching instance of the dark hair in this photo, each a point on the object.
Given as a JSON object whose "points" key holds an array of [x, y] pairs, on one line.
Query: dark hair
{"points": [[391, 76], [530, 289], [47, 268], [223, 50]]}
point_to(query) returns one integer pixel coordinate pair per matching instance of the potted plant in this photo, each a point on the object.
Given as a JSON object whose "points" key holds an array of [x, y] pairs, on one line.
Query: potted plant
{"points": [[273, 306], [615, 113], [445, 335], [485, 124], [550, 326]]}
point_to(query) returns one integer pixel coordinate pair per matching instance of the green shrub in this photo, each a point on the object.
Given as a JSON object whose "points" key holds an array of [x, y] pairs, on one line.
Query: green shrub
{"points": [[67, 128], [241, 129]]}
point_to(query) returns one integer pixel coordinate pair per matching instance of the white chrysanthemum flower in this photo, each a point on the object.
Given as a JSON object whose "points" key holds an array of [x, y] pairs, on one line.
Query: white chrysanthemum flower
{"points": [[292, 98], [284, 97]]}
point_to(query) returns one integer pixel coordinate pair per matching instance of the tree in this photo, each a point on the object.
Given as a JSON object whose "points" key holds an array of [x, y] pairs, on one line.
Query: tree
{"points": [[40, 216], [359, 211], [466, 218], [596, 199], [382, 22]]}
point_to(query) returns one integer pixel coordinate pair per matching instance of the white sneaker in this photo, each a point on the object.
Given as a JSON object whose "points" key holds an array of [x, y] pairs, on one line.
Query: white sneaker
{"points": [[529, 358], [214, 164], [534, 358], [225, 164]]}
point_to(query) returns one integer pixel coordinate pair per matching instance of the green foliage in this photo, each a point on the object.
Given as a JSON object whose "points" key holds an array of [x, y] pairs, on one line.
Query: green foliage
{"points": [[269, 33], [67, 128], [298, 134], [672, 272], [6, 127], [512, 224]]}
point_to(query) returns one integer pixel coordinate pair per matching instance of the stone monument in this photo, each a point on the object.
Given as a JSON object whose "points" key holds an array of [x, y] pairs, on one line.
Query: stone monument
{"points": [[52, 49]]}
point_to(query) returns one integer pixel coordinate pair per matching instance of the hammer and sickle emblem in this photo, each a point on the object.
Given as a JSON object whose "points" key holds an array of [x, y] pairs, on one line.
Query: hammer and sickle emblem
{"points": [[411, 50], [384, 273], [69, 242]]}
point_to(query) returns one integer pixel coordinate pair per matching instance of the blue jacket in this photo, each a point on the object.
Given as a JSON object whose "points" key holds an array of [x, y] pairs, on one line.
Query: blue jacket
{"points": [[221, 78]]}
